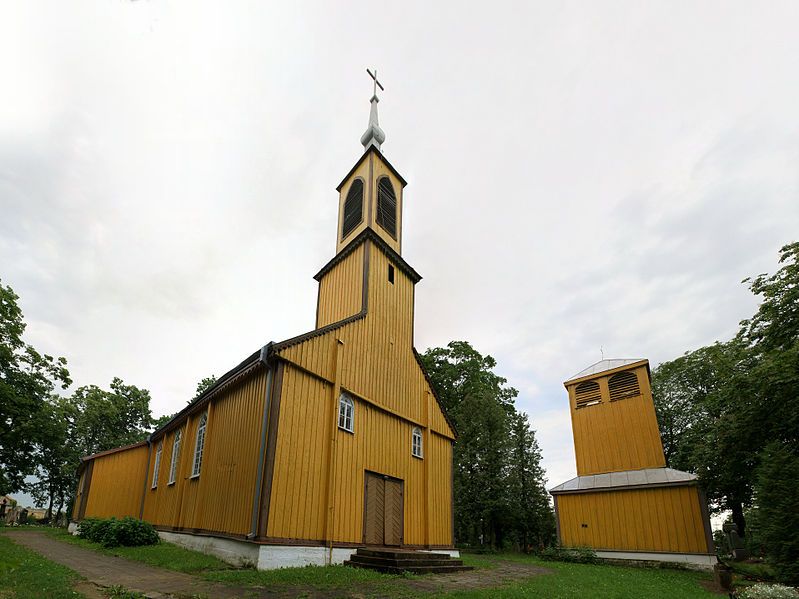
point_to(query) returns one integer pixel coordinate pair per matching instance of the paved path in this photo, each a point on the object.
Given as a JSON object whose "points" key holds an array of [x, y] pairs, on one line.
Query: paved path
{"points": [[107, 571]]}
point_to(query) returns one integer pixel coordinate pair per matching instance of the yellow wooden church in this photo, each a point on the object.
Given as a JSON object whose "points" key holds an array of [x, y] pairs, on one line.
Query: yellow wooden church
{"points": [[624, 502], [316, 444]]}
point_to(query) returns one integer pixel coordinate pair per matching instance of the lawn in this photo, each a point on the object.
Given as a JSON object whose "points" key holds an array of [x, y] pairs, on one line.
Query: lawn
{"points": [[26, 575], [564, 580]]}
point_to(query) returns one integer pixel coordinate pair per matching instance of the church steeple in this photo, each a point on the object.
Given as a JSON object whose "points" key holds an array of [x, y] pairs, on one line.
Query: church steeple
{"points": [[371, 193]]}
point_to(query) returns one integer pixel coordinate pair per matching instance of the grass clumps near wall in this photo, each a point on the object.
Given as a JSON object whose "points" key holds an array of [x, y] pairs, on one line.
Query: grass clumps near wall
{"points": [[110, 532]]}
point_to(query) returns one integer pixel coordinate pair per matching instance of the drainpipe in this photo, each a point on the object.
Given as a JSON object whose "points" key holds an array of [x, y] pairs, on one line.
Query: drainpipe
{"points": [[256, 501], [146, 476]]}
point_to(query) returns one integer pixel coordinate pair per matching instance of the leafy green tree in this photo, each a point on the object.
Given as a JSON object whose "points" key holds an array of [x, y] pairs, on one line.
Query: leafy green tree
{"points": [[490, 479], [778, 509], [108, 419], [203, 386], [27, 378], [162, 420], [533, 520]]}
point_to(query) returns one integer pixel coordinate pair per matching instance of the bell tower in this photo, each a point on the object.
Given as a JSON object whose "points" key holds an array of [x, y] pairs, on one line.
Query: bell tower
{"points": [[370, 196]]}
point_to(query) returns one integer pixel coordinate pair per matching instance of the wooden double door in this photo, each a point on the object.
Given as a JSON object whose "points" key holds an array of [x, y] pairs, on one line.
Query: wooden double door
{"points": [[383, 516]]}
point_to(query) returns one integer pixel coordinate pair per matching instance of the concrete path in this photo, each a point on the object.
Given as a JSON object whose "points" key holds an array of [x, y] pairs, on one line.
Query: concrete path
{"points": [[107, 571]]}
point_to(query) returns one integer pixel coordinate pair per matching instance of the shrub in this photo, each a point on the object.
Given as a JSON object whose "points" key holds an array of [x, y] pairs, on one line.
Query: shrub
{"points": [[768, 591], [111, 532], [578, 555]]}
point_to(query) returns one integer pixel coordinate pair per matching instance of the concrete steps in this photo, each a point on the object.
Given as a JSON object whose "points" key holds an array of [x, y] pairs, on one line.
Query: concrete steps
{"points": [[395, 561]]}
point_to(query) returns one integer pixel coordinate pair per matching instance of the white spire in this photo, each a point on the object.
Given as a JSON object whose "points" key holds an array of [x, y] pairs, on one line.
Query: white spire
{"points": [[374, 135]]}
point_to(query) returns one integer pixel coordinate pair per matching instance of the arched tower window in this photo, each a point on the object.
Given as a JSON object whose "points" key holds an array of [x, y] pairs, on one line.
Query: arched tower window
{"points": [[346, 412], [353, 208], [157, 465], [416, 442], [199, 445], [173, 466], [386, 206], [587, 394], [623, 385]]}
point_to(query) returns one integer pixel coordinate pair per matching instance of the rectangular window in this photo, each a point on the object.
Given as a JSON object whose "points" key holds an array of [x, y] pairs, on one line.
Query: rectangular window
{"points": [[416, 443], [199, 445], [390, 274], [157, 465]]}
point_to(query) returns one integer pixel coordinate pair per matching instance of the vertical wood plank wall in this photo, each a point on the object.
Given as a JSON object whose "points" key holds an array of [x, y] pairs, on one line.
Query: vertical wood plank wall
{"points": [[667, 519], [220, 499], [116, 484], [380, 443], [613, 436], [378, 360], [341, 290]]}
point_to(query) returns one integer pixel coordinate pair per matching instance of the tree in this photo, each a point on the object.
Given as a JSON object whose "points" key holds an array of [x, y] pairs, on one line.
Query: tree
{"points": [[203, 386], [108, 419], [496, 458], [27, 378], [778, 509]]}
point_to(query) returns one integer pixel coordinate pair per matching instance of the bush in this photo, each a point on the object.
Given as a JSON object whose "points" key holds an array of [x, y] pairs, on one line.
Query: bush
{"points": [[577, 555], [110, 532], [768, 591]]}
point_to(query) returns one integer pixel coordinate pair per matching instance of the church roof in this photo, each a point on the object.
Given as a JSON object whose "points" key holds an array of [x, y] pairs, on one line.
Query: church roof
{"points": [[363, 157], [648, 477], [603, 366]]}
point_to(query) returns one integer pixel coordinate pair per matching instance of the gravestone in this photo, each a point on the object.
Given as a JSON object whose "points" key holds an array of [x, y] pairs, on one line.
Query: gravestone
{"points": [[739, 552]]}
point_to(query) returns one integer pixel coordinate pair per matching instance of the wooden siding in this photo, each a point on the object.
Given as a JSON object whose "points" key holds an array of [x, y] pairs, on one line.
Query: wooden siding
{"points": [[221, 498], [614, 436], [377, 356], [117, 483], [380, 443], [667, 519], [361, 172], [341, 290]]}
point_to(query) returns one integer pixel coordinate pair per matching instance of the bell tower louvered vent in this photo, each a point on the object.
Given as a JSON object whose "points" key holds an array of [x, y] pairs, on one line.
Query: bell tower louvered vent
{"points": [[353, 208], [587, 394], [387, 206], [623, 385]]}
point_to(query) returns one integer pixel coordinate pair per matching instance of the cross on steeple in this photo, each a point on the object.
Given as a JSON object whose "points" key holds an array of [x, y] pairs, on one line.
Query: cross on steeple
{"points": [[376, 82], [374, 135]]}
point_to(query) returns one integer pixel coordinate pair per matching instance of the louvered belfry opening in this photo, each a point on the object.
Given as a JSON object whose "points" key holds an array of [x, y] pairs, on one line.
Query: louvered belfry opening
{"points": [[353, 208], [387, 206], [587, 394], [623, 385]]}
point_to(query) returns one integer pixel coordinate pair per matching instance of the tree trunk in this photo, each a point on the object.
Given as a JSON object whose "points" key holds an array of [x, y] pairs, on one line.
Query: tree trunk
{"points": [[49, 513], [738, 517]]}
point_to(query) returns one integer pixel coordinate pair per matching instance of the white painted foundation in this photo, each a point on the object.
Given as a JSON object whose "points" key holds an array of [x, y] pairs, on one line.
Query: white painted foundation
{"points": [[700, 561], [263, 557], [454, 553]]}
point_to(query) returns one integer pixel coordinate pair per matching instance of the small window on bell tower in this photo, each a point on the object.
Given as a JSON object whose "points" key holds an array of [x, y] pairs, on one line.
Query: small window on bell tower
{"points": [[353, 208], [390, 274]]}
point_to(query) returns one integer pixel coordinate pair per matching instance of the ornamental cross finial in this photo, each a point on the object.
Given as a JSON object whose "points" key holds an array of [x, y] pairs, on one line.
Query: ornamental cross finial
{"points": [[376, 82], [374, 135]]}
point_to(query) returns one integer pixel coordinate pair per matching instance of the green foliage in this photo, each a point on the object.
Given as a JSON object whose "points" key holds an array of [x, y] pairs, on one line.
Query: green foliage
{"points": [[203, 386], [499, 483], [768, 591], [27, 379], [777, 503], [577, 555], [110, 532]]}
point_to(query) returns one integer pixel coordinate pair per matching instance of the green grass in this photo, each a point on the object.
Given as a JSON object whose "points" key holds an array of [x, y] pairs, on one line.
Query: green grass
{"points": [[24, 574], [163, 555], [318, 577], [587, 580]]}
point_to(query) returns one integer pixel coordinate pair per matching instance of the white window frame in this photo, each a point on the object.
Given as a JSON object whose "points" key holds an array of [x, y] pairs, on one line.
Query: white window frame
{"points": [[417, 448], [346, 413], [199, 445], [173, 466], [157, 465]]}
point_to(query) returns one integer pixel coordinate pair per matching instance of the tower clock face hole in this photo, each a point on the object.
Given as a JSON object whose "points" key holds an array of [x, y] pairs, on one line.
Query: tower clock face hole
{"points": [[390, 274]]}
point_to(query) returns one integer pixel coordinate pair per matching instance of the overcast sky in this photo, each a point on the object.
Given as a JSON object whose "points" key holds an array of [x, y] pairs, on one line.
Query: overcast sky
{"points": [[581, 176]]}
